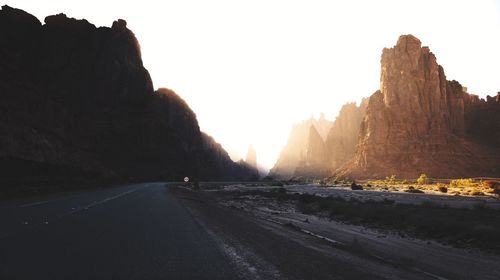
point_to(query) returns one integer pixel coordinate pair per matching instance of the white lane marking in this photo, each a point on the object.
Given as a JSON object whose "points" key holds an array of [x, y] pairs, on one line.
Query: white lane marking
{"points": [[45, 201], [430, 274], [73, 210], [39, 202], [95, 203]]}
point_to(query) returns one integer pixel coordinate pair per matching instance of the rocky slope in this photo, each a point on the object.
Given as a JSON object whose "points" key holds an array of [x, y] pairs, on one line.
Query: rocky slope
{"points": [[76, 103], [418, 122], [295, 152]]}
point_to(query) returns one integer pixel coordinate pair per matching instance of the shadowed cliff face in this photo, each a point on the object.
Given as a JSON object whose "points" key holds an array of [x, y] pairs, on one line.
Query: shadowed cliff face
{"points": [[418, 122], [76, 102]]}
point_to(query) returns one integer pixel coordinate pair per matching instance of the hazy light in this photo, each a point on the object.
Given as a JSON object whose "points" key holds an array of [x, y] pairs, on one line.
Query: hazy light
{"points": [[250, 69]]}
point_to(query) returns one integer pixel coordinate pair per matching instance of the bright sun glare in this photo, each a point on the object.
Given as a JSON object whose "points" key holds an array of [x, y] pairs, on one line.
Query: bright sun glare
{"points": [[250, 69]]}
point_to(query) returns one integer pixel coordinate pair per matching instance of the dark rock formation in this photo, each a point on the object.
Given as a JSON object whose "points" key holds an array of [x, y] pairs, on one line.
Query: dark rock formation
{"points": [[77, 103], [251, 162], [482, 119], [295, 152], [418, 122]]}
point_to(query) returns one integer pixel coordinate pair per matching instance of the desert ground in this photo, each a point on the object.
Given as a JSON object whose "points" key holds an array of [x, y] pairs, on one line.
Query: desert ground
{"points": [[341, 225]]}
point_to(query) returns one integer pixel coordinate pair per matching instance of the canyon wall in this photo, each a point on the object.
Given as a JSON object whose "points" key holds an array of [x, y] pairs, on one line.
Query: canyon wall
{"points": [[316, 148], [298, 148], [418, 122], [76, 103], [343, 137]]}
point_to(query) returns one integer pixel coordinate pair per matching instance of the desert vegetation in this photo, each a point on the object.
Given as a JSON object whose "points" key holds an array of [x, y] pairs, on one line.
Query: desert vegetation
{"points": [[424, 184]]}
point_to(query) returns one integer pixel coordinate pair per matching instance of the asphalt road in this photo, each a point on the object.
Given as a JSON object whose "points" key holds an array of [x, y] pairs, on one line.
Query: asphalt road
{"points": [[130, 232]]}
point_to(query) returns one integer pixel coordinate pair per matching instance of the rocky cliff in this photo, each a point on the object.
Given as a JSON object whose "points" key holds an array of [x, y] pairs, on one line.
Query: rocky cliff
{"points": [[76, 103], [316, 148], [251, 162], [418, 122], [343, 137], [251, 157], [315, 164], [298, 149]]}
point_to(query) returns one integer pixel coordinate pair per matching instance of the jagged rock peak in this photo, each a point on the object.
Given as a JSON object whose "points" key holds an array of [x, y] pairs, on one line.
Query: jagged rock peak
{"points": [[322, 116], [62, 21], [408, 42], [119, 24], [419, 122], [251, 158]]}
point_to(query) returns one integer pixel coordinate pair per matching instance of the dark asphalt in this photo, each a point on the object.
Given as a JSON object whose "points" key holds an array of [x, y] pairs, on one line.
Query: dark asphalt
{"points": [[130, 232]]}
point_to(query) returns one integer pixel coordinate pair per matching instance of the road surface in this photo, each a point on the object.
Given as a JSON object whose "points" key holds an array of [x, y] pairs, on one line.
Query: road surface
{"points": [[130, 232], [158, 231]]}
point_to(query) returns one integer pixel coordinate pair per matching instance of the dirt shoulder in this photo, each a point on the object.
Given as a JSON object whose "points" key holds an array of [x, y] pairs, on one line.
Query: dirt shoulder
{"points": [[267, 241]]}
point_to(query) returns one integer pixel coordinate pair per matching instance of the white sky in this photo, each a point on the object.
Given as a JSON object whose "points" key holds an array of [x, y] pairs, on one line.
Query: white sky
{"points": [[250, 69]]}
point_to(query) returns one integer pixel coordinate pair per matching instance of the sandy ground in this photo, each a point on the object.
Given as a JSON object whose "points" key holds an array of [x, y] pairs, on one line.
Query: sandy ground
{"points": [[378, 195], [385, 254]]}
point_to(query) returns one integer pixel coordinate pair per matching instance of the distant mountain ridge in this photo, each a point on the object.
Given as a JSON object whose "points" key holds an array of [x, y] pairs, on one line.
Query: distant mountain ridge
{"points": [[76, 103]]}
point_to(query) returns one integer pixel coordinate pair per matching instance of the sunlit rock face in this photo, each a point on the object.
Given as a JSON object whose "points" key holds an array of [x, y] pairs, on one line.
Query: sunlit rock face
{"points": [[418, 122], [76, 103], [315, 162], [251, 158], [316, 148], [343, 137], [295, 153]]}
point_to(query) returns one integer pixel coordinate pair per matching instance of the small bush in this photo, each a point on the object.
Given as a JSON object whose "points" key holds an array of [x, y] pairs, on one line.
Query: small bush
{"points": [[494, 185], [463, 183], [422, 179], [443, 189], [413, 191], [356, 187], [478, 193], [391, 180]]}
